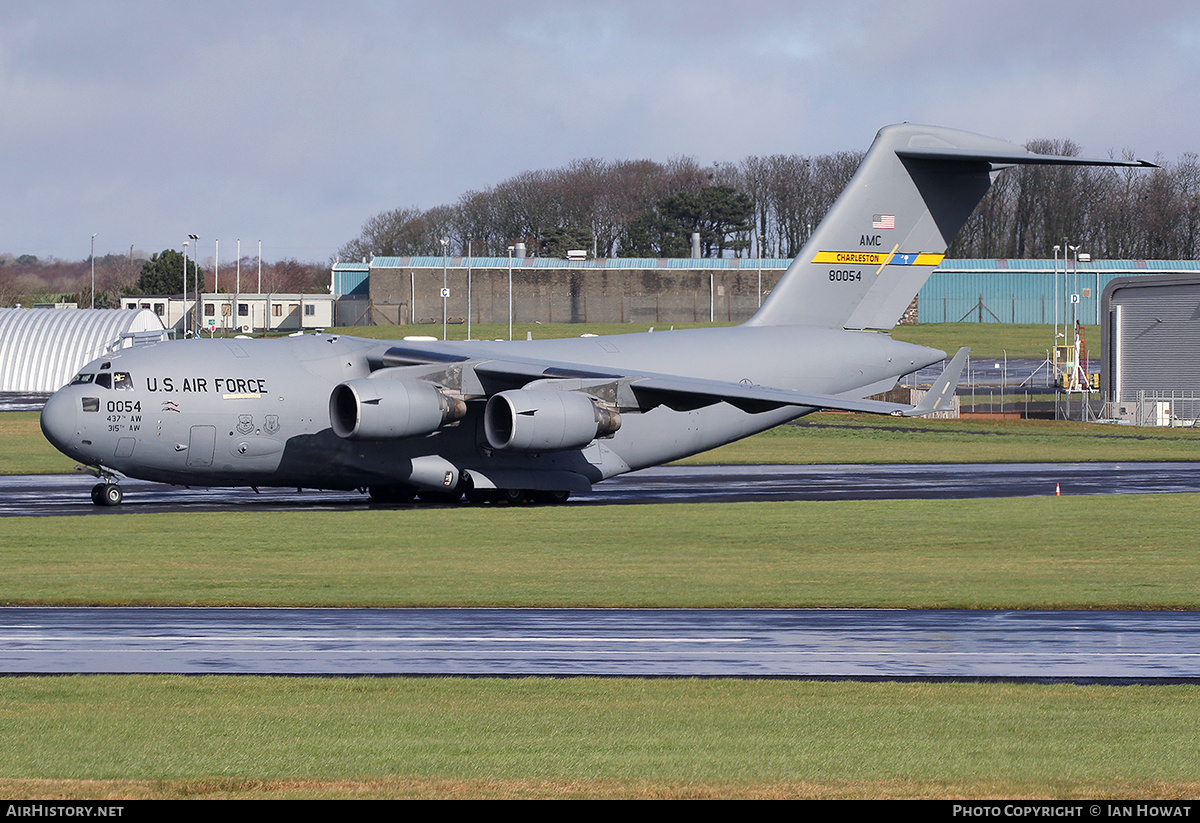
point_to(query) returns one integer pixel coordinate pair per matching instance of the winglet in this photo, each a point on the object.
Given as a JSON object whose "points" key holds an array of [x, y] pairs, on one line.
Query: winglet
{"points": [[941, 393]]}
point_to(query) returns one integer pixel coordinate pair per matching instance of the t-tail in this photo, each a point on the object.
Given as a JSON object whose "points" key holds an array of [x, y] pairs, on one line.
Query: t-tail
{"points": [[891, 226]]}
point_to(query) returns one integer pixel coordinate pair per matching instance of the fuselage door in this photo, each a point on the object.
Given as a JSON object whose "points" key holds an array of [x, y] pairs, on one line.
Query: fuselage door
{"points": [[201, 444]]}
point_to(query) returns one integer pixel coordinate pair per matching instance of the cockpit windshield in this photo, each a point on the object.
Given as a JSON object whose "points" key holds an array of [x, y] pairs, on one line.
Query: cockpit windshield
{"points": [[118, 380]]}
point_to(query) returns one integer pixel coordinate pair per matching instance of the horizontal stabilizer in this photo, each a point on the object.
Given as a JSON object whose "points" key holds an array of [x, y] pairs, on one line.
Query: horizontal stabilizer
{"points": [[1018, 157]]}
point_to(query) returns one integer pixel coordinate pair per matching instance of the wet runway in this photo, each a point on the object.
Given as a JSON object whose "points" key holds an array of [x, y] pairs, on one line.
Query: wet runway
{"points": [[41, 495], [22, 401], [846, 644], [835, 643]]}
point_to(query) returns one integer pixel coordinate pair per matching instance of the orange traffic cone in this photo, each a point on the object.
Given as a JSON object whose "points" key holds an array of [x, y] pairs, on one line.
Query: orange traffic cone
{"points": [[1057, 491]]}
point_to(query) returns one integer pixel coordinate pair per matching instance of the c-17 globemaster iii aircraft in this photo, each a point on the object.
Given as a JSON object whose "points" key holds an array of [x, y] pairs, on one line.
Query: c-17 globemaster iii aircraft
{"points": [[537, 420]]}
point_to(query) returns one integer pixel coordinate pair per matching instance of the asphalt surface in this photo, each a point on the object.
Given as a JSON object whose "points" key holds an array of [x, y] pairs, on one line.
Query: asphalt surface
{"points": [[835, 643], [40, 495]]}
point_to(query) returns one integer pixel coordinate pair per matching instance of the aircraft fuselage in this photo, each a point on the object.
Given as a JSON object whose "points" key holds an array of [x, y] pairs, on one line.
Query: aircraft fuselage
{"points": [[257, 412]]}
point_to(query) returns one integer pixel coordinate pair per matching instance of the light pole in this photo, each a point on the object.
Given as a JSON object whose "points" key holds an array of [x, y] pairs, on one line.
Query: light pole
{"points": [[1067, 285], [237, 289], [1056, 250], [196, 281], [94, 270], [1087, 258], [445, 290], [185, 311], [510, 305]]}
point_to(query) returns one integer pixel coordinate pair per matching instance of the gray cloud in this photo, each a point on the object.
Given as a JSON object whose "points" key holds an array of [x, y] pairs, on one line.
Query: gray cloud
{"points": [[294, 122]]}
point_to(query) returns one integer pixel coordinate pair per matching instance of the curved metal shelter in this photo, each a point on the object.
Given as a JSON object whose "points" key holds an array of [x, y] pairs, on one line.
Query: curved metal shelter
{"points": [[41, 349]]}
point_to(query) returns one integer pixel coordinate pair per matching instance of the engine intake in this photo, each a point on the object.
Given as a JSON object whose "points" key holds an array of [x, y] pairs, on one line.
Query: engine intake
{"points": [[539, 421], [386, 409]]}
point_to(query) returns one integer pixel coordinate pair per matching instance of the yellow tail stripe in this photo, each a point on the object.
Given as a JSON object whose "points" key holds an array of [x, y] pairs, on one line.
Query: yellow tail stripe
{"points": [[865, 258]]}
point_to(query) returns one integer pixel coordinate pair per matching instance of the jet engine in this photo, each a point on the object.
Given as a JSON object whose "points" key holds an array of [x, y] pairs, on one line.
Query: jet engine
{"points": [[539, 421], [386, 409]]}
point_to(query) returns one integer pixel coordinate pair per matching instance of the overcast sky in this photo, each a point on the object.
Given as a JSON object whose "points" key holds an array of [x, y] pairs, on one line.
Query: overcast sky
{"points": [[294, 122]]}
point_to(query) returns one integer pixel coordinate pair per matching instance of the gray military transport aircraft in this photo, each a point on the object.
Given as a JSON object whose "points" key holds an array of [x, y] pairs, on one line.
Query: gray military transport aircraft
{"points": [[537, 420]]}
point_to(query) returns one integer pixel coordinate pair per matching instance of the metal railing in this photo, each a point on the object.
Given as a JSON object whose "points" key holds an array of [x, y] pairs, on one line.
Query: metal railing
{"points": [[1175, 409]]}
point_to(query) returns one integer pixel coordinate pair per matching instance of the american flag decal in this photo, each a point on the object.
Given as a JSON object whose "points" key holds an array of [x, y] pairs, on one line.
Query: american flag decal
{"points": [[883, 221]]}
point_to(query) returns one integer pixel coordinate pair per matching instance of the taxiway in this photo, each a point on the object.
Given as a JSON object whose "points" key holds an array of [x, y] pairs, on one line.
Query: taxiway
{"points": [[41, 495]]}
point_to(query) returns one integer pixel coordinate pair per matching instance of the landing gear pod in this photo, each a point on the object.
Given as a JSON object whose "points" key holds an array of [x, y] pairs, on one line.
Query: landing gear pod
{"points": [[386, 409], [539, 421]]}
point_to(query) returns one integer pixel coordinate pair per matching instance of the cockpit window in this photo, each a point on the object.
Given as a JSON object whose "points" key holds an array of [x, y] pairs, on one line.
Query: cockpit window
{"points": [[122, 381], [81, 379], [104, 380]]}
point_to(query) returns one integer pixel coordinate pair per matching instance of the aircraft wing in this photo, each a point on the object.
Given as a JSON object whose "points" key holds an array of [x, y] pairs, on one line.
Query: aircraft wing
{"points": [[644, 390]]}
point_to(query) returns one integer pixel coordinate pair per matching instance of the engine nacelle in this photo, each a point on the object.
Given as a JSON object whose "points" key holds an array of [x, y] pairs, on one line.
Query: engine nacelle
{"points": [[540, 421], [386, 409]]}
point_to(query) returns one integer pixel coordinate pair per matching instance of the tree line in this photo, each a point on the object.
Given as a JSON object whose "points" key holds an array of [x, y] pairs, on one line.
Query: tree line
{"points": [[27, 280], [759, 207], [768, 206]]}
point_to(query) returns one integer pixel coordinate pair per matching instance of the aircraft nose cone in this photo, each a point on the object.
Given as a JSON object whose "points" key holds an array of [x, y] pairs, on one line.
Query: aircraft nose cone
{"points": [[58, 419]]}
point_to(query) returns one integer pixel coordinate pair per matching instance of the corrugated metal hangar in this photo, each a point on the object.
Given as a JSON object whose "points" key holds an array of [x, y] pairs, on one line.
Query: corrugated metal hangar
{"points": [[41, 349], [1151, 348]]}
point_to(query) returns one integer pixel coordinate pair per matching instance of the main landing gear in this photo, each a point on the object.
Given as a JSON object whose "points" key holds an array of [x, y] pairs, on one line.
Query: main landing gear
{"points": [[107, 494]]}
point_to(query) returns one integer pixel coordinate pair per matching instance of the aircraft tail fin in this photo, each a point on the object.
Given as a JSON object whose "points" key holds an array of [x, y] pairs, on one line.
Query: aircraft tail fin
{"points": [[891, 226]]}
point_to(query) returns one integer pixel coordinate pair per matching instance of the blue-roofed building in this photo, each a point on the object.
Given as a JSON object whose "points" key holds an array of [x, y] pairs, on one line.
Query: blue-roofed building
{"points": [[1028, 291], [350, 279]]}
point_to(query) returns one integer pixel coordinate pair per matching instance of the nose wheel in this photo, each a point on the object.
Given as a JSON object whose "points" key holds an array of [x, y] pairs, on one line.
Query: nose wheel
{"points": [[107, 494]]}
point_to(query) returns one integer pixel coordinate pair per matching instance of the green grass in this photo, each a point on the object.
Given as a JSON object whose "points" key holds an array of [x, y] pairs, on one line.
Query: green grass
{"points": [[166, 736], [24, 450], [1088, 552], [372, 737], [992, 340]]}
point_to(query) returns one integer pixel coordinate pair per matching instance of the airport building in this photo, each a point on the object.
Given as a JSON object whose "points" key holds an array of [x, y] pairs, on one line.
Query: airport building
{"points": [[1151, 349], [403, 290], [242, 313]]}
